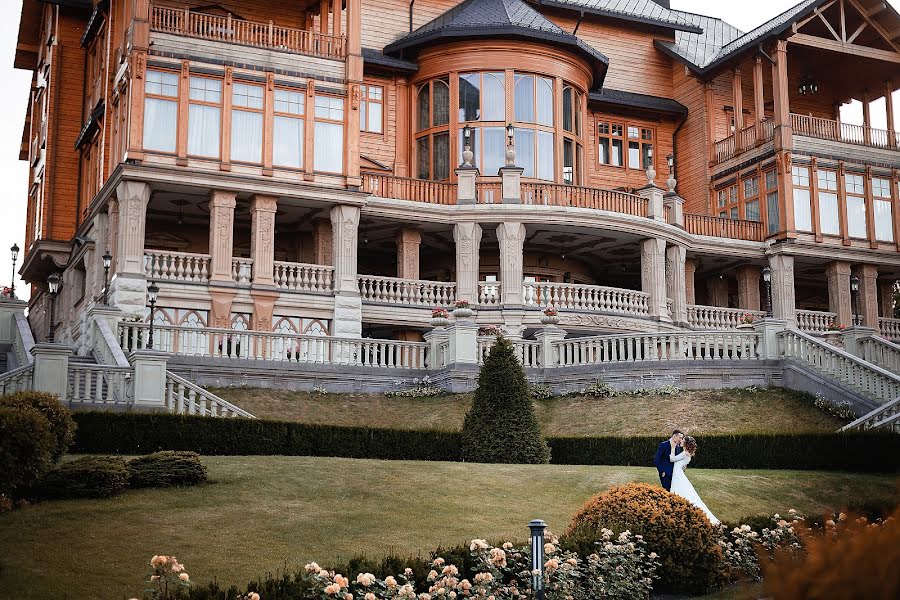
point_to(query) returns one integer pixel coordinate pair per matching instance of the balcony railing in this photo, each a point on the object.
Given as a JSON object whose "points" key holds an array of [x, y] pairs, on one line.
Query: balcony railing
{"points": [[411, 292], [176, 266], [489, 293], [835, 131], [890, 328], [553, 194], [586, 297], [180, 21], [300, 277], [747, 138], [406, 188], [814, 321], [725, 228], [717, 317]]}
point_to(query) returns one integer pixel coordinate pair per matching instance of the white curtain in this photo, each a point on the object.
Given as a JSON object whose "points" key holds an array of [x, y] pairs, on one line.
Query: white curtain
{"points": [[884, 221], [374, 116], [828, 214], [545, 101], [856, 217], [545, 149], [246, 136], [329, 147], [525, 150], [288, 142], [203, 130], [523, 98], [494, 150], [493, 97], [802, 214], [160, 124]]}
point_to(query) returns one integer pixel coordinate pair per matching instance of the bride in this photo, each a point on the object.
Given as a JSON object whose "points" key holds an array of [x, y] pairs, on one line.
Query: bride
{"points": [[680, 483]]}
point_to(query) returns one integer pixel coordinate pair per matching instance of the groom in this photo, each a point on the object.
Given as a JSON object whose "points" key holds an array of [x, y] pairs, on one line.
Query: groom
{"points": [[662, 462]]}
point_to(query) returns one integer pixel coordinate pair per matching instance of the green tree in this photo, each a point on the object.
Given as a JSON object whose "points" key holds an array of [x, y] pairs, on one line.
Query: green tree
{"points": [[501, 426]]}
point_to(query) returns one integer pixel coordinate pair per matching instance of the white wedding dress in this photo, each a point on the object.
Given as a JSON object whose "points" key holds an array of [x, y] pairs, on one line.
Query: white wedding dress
{"points": [[683, 487]]}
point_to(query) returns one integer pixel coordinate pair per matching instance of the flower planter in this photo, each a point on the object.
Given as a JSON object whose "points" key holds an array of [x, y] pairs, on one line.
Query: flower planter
{"points": [[550, 319], [439, 322], [835, 338], [745, 326], [463, 313]]}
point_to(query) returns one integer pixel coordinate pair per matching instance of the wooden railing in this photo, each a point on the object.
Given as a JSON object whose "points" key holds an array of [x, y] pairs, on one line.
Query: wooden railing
{"points": [[881, 352], [654, 347], [527, 351], [411, 292], [249, 33], [828, 129], [163, 265], [724, 149], [736, 229], [554, 194], [717, 317], [186, 398], [300, 277], [489, 293], [586, 297], [890, 328], [488, 192], [406, 188], [814, 321]]}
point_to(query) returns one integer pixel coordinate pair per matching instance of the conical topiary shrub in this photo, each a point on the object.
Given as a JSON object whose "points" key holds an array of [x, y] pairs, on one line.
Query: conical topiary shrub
{"points": [[501, 426]]}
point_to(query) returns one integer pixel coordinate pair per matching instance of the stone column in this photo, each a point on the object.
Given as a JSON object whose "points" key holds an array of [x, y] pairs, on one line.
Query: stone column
{"points": [[512, 240], [408, 241], [262, 239], [690, 270], [837, 274], [653, 276], [128, 289], [51, 369], [748, 278], [468, 248], [465, 185], [511, 178], [149, 379], [546, 337], [886, 298], [868, 295], [675, 204], [323, 245], [676, 288], [347, 303], [783, 297], [221, 234], [112, 212], [717, 291], [655, 200]]}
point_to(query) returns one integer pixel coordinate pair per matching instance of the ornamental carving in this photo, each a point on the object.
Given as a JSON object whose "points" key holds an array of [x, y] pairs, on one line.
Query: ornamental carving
{"points": [[619, 323], [354, 96]]}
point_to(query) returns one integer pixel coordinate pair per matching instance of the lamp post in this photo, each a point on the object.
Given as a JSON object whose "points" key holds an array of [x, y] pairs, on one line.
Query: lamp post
{"points": [[767, 278], [53, 286], [537, 528], [854, 290], [510, 145], [14, 251], [107, 262], [153, 293], [467, 154]]}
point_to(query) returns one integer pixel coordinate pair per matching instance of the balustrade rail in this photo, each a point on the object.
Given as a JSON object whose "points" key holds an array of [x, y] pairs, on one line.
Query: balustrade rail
{"points": [[890, 328], [655, 347], [405, 188], [887, 416], [241, 270], [880, 352], [185, 398], [24, 341], [489, 293], [413, 292], [871, 381], [586, 297], [717, 317], [17, 380], [249, 33], [163, 265], [100, 384], [724, 149], [301, 277], [836, 131], [527, 351], [814, 321], [553, 194], [737, 229]]}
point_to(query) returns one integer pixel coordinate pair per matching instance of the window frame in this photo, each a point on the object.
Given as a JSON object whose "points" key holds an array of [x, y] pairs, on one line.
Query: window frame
{"points": [[248, 109], [365, 101], [164, 98], [317, 119], [856, 195], [301, 116], [192, 101]]}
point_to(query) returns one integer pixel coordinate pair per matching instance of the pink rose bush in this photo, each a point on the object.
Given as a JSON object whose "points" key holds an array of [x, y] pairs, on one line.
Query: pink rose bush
{"points": [[167, 578]]}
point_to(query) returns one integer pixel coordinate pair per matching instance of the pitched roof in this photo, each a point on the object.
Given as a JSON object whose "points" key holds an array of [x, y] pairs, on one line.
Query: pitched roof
{"points": [[622, 98], [640, 11], [498, 19], [701, 48]]}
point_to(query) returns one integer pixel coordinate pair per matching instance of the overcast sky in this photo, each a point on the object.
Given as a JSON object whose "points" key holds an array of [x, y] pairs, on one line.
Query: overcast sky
{"points": [[14, 174]]}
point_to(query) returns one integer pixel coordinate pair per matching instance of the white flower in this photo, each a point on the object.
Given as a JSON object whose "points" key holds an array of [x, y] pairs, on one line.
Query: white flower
{"points": [[365, 579], [478, 545]]}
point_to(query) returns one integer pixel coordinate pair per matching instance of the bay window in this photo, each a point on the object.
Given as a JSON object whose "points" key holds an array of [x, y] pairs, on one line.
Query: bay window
{"points": [[884, 218], [329, 134], [204, 117], [802, 206], [288, 130], [371, 109], [160, 111], [855, 187], [246, 123], [432, 125], [829, 219]]}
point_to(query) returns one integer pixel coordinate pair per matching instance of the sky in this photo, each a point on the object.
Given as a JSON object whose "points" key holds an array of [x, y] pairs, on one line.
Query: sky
{"points": [[14, 173]]}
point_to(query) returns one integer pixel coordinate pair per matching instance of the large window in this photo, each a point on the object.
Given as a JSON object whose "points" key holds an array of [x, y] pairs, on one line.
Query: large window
{"points": [[855, 187], [371, 109], [829, 217], [751, 198], [289, 128], [204, 117], [482, 97], [802, 206], [884, 218], [533, 99], [640, 147], [329, 134], [610, 143], [246, 123], [773, 210], [727, 202], [160, 111], [432, 121]]}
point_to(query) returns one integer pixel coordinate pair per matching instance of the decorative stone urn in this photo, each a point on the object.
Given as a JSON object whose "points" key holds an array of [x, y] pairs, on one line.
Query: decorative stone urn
{"points": [[439, 321], [550, 319], [463, 313]]}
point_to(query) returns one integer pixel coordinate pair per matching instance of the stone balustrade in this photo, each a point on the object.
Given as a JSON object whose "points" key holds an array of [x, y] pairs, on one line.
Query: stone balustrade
{"points": [[527, 351], [586, 297], [880, 352], [100, 384], [717, 317], [184, 398], [17, 380], [301, 277], [242, 270], [409, 292], [886, 416], [890, 328], [489, 293], [814, 321], [162, 265]]}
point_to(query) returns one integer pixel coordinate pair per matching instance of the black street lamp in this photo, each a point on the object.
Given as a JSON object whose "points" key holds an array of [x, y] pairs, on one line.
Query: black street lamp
{"points": [[53, 286], [153, 292], [854, 290], [107, 262], [537, 528], [767, 278], [14, 251]]}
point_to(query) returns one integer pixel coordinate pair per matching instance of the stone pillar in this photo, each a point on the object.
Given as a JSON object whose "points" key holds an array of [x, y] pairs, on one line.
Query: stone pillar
{"points": [[655, 199], [221, 234], [408, 241], [220, 308], [675, 204], [511, 178], [347, 303], [886, 298], [653, 276], [853, 336], [837, 273], [783, 297], [51, 369], [468, 247], [323, 245], [676, 288], [128, 288], [717, 291], [748, 278], [112, 212], [868, 295], [545, 338], [262, 239], [690, 271], [149, 379], [434, 339], [512, 240], [768, 330], [465, 185], [463, 342]]}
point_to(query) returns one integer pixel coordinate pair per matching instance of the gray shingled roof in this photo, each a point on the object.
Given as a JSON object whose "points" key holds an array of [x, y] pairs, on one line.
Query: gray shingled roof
{"points": [[642, 11], [701, 48], [632, 100]]}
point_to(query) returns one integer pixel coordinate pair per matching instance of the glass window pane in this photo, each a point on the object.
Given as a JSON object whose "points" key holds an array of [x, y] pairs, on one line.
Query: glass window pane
{"points": [[545, 101], [525, 150], [247, 96], [723, 198], [751, 187], [329, 107], [734, 213], [523, 98], [329, 147], [881, 188], [375, 117], [578, 100], [634, 155], [363, 126], [423, 108], [751, 210], [203, 130], [802, 214], [646, 155], [494, 150], [567, 103], [206, 90], [854, 184], [161, 83], [800, 176], [440, 156], [289, 101], [829, 220], [469, 97], [440, 103], [160, 124], [603, 151], [423, 157], [771, 180], [568, 172], [616, 153], [884, 221], [545, 148], [246, 136], [494, 98], [826, 180], [288, 142], [856, 217], [773, 215]]}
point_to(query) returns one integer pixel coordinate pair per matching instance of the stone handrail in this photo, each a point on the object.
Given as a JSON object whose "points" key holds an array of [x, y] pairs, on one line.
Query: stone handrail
{"points": [[406, 188], [881, 352], [814, 321], [106, 347], [185, 398], [411, 292], [717, 317], [883, 416], [99, 384], [556, 194], [303, 277], [870, 380], [275, 346], [17, 380], [241, 270], [443, 355], [24, 341], [249, 33], [837, 131], [655, 347], [890, 328], [737, 229], [586, 297], [163, 265], [489, 293], [527, 351]]}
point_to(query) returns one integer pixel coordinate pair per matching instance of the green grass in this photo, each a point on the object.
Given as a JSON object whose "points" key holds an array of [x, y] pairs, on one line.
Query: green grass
{"points": [[266, 513], [698, 412]]}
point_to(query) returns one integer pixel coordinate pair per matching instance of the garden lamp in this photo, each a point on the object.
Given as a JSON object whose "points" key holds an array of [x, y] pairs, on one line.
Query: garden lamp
{"points": [[153, 294], [53, 287], [14, 251], [854, 290], [107, 262], [537, 528]]}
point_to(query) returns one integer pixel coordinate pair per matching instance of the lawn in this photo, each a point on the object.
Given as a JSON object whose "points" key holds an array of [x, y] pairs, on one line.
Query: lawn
{"points": [[697, 412], [265, 513]]}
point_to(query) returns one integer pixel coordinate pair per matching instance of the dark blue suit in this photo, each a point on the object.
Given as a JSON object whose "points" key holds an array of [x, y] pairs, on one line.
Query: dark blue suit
{"points": [[664, 465]]}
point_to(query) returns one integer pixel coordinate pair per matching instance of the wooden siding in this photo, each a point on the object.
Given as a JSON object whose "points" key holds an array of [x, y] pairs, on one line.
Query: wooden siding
{"points": [[384, 21], [604, 176], [692, 155]]}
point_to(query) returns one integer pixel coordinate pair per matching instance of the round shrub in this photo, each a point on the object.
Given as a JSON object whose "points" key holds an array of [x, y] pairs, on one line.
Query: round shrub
{"points": [[167, 468], [62, 426], [682, 536], [88, 477], [26, 448]]}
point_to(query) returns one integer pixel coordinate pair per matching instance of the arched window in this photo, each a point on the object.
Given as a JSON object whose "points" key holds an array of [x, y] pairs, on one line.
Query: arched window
{"points": [[433, 137]]}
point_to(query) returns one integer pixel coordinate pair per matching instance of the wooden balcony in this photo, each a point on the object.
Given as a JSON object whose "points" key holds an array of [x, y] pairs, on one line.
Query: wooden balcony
{"points": [[737, 229], [405, 188], [553, 194], [227, 29], [835, 131], [746, 139]]}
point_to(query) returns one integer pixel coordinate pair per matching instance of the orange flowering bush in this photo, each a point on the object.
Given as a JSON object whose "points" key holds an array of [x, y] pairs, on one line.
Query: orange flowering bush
{"points": [[679, 533]]}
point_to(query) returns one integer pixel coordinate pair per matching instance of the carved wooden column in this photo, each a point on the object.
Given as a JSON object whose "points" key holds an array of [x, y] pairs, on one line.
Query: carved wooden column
{"points": [[784, 303], [468, 248], [676, 282], [322, 242], [262, 238], [221, 234], [690, 270], [512, 240], [354, 80], [837, 273], [653, 276], [408, 241], [868, 295], [759, 103], [347, 303], [737, 94], [784, 141], [748, 278], [889, 109], [128, 289]]}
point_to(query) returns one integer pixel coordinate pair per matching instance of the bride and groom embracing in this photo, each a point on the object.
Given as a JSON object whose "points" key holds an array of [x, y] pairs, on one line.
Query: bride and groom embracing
{"points": [[672, 457]]}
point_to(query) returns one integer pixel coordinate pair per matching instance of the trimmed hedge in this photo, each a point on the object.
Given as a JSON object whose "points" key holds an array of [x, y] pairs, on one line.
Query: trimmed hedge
{"points": [[26, 448], [165, 469], [86, 477], [141, 433], [48, 405]]}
